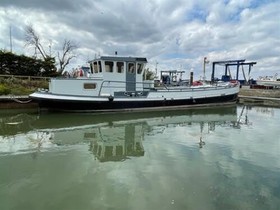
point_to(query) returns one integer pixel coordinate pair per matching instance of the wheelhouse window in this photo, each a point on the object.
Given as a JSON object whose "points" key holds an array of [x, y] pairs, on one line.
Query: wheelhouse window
{"points": [[140, 68], [95, 67], [89, 86], [131, 68], [100, 66], [109, 66], [91, 68], [120, 67]]}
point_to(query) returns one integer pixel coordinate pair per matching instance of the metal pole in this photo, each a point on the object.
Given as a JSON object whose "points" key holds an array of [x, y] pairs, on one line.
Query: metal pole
{"points": [[213, 71], [191, 78], [204, 63], [156, 69]]}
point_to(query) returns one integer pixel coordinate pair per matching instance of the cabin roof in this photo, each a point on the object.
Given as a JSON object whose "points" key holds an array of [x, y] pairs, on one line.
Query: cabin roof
{"points": [[125, 59]]}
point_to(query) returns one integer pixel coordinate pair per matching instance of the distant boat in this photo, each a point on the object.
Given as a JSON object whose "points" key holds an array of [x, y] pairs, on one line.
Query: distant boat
{"points": [[118, 83], [269, 81]]}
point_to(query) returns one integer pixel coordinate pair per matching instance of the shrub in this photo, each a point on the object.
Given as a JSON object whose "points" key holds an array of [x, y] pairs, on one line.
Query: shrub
{"points": [[4, 90], [19, 90], [17, 86]]}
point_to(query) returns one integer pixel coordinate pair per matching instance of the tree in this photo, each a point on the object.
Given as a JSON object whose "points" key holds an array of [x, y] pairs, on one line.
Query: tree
{"points": [[149, 75], [33, 39], [67, 54]]}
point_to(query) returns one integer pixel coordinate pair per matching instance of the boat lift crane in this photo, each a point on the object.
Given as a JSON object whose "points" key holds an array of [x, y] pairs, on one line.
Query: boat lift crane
{"points": [[229, 63]]}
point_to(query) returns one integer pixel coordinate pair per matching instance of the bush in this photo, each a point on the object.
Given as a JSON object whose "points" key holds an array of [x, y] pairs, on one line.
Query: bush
{"points": [[21, 86], [26, 66], [19, 90], [4, 90]]}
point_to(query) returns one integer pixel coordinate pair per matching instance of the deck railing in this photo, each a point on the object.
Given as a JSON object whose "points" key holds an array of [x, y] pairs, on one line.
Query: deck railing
{"points": [[110, 84]]}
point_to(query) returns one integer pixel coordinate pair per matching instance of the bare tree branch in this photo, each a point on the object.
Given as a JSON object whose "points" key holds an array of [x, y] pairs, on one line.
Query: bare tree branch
{"points": [[33, 39], [68, 54]]}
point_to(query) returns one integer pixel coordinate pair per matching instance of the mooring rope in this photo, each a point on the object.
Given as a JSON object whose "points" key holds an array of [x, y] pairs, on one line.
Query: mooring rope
{"points": [[19, 101]]}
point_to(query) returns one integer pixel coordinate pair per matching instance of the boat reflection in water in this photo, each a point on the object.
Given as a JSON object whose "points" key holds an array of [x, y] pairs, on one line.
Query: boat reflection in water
{"points": [[111, 137], [118, 142]]}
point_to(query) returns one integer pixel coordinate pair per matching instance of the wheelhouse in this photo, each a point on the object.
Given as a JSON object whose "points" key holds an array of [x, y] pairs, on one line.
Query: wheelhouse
{"points": [[123, 71]]}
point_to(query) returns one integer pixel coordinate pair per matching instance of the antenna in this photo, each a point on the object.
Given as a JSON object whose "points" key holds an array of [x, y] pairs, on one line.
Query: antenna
{"points": [[50, 47], [11, 43]]}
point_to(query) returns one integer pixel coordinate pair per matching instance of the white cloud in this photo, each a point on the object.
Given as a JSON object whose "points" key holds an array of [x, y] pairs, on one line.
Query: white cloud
{"points": [[173, 33]]}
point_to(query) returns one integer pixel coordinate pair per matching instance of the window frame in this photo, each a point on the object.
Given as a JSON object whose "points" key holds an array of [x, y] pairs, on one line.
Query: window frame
{"points": [[90, 86], [121, 67], [111, 66], [131, 70]]}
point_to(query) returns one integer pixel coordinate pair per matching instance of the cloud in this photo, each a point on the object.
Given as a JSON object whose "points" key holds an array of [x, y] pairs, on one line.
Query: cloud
{"points": [[44, 6], [172, 33]]}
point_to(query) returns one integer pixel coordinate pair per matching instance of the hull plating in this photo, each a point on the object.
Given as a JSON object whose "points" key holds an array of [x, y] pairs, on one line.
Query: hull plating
{"points": [[115, 105]]}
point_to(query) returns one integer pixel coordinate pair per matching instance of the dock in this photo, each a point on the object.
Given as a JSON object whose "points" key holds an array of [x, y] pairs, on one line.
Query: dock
{"points": [[264, 97]]}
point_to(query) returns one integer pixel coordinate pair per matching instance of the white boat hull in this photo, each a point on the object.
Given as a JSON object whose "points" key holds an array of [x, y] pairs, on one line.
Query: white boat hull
{"points": [[117, 83], [147, 100], [275, 83]]}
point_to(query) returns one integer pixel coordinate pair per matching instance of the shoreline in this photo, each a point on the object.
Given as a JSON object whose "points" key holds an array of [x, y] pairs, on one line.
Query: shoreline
{"points": [[261, 97], [247, 96], [16, 102]]}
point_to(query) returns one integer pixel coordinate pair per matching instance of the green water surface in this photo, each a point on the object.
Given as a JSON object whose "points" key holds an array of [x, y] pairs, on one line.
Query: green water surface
{"points": [[201, 159]]}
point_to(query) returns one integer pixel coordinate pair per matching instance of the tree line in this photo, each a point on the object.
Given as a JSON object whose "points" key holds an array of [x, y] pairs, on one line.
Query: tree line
{"points": [[13, 64]]}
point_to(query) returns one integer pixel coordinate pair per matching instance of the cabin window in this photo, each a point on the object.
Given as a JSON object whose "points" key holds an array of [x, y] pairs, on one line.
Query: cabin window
{"points": [[139, 68], [91, 68], [89, 86], [131, 68], [95, 67], [120, 66], [100, 66], [109, 66]]}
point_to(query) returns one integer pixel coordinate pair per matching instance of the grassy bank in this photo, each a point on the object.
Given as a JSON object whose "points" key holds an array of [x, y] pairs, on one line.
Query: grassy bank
{"points": [[15, 86]]}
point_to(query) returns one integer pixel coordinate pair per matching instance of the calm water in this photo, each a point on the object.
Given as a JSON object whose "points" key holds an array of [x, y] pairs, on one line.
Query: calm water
{"points": [[212, 159]]}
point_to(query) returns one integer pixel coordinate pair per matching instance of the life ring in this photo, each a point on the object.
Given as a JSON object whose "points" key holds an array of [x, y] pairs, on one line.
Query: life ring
{"points": [[234, 82], [197, 83]]}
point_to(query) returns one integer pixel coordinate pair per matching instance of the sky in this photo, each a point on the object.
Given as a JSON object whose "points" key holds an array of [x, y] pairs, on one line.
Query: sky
{"points": [[175, 34]]}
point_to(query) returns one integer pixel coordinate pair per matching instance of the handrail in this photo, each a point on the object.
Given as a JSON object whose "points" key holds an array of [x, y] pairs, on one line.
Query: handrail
{"points": [[165, 87]]}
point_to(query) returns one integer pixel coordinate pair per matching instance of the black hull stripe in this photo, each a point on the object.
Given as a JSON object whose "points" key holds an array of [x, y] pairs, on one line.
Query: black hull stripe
{"points": [[129, 105]]}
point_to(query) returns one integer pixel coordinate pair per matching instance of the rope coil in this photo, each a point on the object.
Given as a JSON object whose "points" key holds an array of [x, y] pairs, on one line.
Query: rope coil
{"points": [[13, 97]]}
